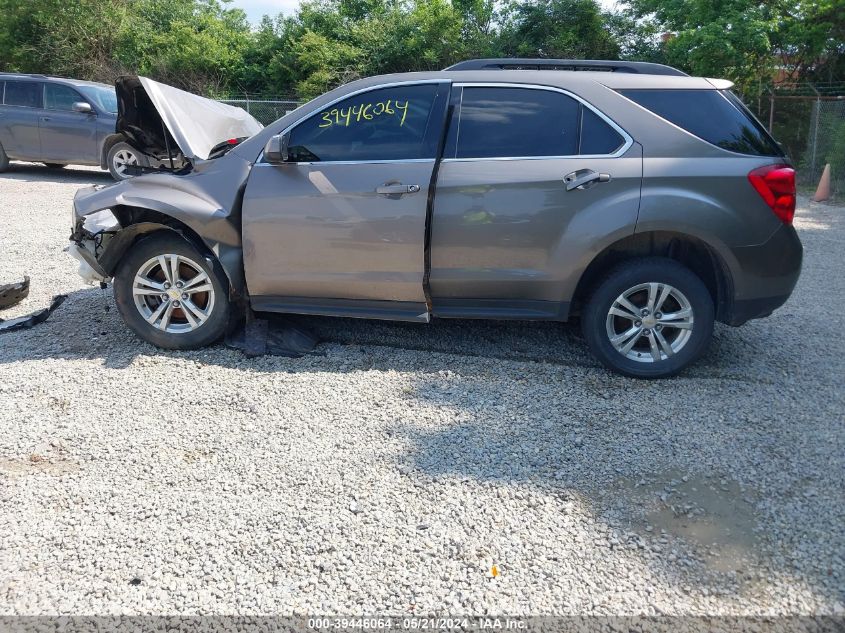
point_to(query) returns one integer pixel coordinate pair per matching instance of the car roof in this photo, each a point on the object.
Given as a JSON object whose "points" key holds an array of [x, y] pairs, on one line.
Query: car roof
{"points": [[63, 80]]}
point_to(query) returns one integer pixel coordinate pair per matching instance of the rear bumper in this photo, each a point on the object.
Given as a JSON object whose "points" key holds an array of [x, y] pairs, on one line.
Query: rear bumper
{"points": [[766, 275]]}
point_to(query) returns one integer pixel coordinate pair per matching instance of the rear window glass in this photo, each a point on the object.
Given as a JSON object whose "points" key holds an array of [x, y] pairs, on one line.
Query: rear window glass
{"points": [[23, 93], [717, 118]]}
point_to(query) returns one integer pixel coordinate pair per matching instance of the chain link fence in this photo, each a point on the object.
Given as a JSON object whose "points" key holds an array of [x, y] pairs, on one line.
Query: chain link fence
{"points": [[809, 121], [265, 110], [826, 143]]}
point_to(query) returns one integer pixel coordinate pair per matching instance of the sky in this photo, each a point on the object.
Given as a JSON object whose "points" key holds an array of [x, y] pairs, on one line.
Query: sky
{"points": [[256, 8]]}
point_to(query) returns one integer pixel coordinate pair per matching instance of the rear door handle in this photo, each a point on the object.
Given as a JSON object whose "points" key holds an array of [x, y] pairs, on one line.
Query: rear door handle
{"points": [[578, 179], [396, 189]]}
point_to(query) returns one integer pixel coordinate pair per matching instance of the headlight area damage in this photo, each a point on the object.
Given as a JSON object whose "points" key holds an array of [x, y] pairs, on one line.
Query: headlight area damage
{"points": [[107, 221], [204, 208], [196, 193]]}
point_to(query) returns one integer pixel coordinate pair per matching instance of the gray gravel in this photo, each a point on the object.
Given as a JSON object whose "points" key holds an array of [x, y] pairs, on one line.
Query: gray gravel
{"points": [[391, 472]]}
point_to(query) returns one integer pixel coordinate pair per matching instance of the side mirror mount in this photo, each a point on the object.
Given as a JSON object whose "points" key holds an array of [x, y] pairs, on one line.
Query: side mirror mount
{"points": [[83, 107], [276, 150]]}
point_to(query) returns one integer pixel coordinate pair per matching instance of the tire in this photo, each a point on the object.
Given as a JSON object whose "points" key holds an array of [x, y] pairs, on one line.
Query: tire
{"points": [[4, 160], [55, 165], [635, 281], [166, 322], [122, 154]]}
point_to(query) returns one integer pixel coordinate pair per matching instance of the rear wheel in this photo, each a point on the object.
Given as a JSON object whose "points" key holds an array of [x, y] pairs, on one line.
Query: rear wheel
{"points": [[170, 295], [122, 156], [4, 160], [649, 318]]}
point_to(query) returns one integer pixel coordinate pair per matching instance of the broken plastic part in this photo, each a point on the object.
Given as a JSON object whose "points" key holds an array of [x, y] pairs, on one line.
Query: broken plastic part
{"points": [[26, 322], [277, 337], [100, 221], [89, 268], [12, 294]]}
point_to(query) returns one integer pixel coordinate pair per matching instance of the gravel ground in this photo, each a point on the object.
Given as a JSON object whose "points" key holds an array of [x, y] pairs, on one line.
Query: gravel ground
{"points": [[392, 471]]}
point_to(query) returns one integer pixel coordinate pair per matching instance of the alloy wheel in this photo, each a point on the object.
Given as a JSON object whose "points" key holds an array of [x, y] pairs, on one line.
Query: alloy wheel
{"points": [[650, 322], [173, 293], [122, 159]]}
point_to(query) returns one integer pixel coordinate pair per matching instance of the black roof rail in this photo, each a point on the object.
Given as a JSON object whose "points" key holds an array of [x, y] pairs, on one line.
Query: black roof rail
{"points": [[605, 65]]}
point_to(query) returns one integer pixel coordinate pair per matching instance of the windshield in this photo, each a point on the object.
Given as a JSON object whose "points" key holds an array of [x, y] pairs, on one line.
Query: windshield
{"points": [[102, 96]]}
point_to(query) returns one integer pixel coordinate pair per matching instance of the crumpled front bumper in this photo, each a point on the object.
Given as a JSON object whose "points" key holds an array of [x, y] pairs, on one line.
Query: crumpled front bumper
{"points": [[89, 268], [90, 233]]}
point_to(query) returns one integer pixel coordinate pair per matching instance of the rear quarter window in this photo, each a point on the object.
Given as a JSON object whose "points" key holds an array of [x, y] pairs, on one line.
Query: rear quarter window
{"points": [[712, 115]]}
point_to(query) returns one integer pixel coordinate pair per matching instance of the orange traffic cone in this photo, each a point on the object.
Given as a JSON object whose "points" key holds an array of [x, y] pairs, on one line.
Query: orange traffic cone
{"points": [[823, 190]]}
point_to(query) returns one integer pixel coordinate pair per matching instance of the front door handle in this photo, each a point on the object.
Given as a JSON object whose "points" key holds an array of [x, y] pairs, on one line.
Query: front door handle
{"points": [[396, 189], [583, 177]]}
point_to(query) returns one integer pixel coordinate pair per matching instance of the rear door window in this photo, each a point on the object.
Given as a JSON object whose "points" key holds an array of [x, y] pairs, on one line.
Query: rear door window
{"points": [[716, 117], [382, 124], [508, 122], [26, 94], [515, 122], [58, 97]]}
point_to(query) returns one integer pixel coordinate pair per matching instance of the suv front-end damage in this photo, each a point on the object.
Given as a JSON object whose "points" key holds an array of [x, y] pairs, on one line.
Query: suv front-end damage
{"points": [[203, 207], [199, 197]]}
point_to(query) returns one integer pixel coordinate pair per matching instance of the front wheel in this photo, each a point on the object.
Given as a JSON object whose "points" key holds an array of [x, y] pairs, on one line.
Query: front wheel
{"points": [[121, 157], [171, 295], [649, 318]]}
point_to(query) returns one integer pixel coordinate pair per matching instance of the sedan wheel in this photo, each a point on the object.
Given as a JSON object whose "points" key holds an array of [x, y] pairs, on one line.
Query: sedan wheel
{"points": [[121, 157]]}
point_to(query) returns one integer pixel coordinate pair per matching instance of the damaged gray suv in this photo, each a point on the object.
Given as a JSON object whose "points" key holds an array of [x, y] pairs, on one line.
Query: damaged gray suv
{"points": [[645, 201]]}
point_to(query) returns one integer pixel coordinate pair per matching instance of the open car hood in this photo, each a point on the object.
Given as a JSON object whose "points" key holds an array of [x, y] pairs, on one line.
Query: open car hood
{"points": [[154, 116]]}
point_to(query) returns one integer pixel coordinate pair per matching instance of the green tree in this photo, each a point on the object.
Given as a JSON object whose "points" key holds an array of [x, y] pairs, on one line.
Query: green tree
{"points": [[570, 29], [76, 39], [198, 45], [749, 42]]}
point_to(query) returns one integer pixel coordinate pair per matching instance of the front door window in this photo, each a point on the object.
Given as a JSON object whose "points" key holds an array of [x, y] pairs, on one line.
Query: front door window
{"points": [[383, 124]]}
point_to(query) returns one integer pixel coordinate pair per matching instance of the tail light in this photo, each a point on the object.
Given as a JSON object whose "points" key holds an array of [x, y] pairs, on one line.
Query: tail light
{"points": [[776, 185]]}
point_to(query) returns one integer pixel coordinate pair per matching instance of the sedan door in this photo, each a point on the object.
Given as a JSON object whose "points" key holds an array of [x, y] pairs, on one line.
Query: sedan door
{"points": [[67, 136], [533, 180], [340, 227], [19, 119]]}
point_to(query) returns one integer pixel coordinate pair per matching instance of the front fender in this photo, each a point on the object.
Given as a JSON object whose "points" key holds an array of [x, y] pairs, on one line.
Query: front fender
{"points": [[206, 201]]}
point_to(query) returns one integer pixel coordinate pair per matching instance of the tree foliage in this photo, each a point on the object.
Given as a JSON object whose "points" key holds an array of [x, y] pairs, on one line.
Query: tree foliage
{"points": [[749, 42], [207, 46]]}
